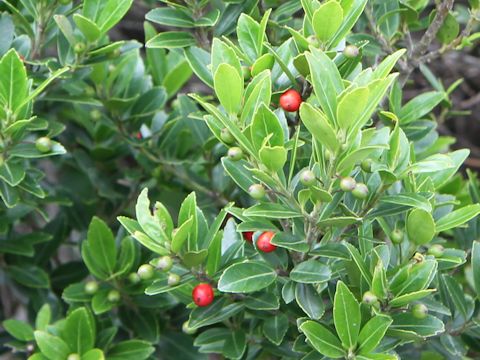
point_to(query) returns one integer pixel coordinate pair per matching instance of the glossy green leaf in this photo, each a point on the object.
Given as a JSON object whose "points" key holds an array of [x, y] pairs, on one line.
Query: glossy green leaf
{"points": [[310, 272], [457, 218], [246, 277], [346, 315], [327, 20], [229, 88], [372, 333], [322, 339]]}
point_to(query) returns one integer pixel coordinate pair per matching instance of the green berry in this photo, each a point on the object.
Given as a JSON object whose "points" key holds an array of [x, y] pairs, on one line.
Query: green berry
{"points": [[328, 155], [366, 165], [351, 51], [91, 287], [226, 136], [43, 144], [348, 183], [419, 311], [79, 47], [65, 2], [145, 271], [164, 263], [113, 296], [173, 279], [134, 278], [360, 191], [73, 356], [235, 153], [256, 191], [369, 298], [396, 236], [187, 330], [313, 40], [307, 178], [95, 115], [436, 250]]}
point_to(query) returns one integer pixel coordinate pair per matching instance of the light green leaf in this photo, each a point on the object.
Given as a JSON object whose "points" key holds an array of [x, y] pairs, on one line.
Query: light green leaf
{"points": [[372, 333], [229, 88], [327, 20], [311, 272], [170, 40], [322, 339], [346, 315], [51, 346], [351, 106], [246, 277], [457, 217], [317, 124]]}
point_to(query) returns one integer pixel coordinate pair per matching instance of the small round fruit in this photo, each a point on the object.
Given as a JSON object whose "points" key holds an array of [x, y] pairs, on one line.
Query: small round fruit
{"points": [[248, 236], [164, 263], [396, 236], [202, 294], [360, 191], [307, 178], [348, 183], [256, 191], [369, 298], [91, 287], [65, 2], [188, 330], [420, 311], [95, 115], [43, 144], [366, 165], [113, 296], [173, 279], [351, 51], [235, 153], [73, 356], [436, 250], [226, 136], [328, 155], [145, 271], [313, 40], [134, 278], [79, 47], [290, 100], [264, 242]]}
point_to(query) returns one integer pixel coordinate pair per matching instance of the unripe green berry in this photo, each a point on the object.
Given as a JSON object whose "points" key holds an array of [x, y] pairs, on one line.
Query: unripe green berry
{"points": [[235, 153], [307, 178], [73, 356], [360, 191], [256, 191], [366, 165], [79, 47], [134, 278], [351, 51], [95, 115], [173, 279], [419, 311], [43, 144], [313, 40], [113, 296], [227, 136], [369, 298], [164, 263], [65, 2], [145, 271], [187, 330], [348, 183], [396, 236], [89, 91], [328, 155], [436, 250], [91, 287]]}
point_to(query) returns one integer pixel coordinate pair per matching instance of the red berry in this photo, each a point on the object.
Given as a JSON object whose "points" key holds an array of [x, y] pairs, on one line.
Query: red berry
{"points": [[248, 235], [290, 100], [139, 135], [264, 242], [202, 294]]}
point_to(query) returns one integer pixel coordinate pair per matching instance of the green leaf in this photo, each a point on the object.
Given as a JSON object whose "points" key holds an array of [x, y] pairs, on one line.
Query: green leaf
{"points": [[171, 40], [99, 251], [407, 325], [449, 30], [359, 262], [194, 258], [265, 125], [418, 278], [43, 318], [170, 17], [274, 158], [289, 241], [264, 62], [199, 61], [317, 124], [379, 281], [372, 333], [12, 173], [79, 331], [420, 106], [420, 226], [350, 106], [257, 92], [176, 78], [239, 173], [88, 28], [311, 272], [271, 211], [457, 217], [322, 339], [246, 277], [409, 199], [111, 13], [29, 275], [130, 349], [351, 12], [13, 82], [149, 223], [235, 345], [456, 295], [214, 313], [410, 297], [248, 31], [346, 315], [94, 354], [327, 20], [339, 221], [275, 327], [224, 54], [326, 81], [51, 346], [18, 329], [476, 266], [181, 235], [309, 300], [229, 88]]}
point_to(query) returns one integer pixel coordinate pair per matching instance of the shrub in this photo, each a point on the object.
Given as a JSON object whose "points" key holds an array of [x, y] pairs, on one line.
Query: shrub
{"points": [[255, 184]]}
